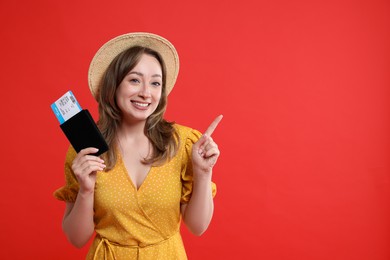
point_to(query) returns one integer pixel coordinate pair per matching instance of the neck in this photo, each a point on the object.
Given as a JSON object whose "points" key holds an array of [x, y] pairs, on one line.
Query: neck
{"points": [[131, 130], [132, 135]]}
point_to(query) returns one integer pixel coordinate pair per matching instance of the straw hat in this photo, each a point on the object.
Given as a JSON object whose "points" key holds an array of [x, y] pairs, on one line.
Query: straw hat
{"points": [[112, 48]]}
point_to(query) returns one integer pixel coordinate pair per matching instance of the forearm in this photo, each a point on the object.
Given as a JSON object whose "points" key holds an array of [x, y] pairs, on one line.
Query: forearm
{"points": [[78, 224], [199, 210]]}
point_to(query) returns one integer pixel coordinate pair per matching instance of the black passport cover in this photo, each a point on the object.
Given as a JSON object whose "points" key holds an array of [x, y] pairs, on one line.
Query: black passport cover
{"points": [[82, 132]]}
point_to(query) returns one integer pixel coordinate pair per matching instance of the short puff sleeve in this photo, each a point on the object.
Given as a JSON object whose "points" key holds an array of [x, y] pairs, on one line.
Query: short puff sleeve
{"points": [[68, 192], [187, 173]]}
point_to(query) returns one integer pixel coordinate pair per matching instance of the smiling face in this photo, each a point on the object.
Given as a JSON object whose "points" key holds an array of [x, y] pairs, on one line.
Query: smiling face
{"points": [[139, 93]]}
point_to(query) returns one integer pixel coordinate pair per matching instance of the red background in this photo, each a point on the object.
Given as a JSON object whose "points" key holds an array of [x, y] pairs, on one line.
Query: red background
{"points": [[304, 88]]}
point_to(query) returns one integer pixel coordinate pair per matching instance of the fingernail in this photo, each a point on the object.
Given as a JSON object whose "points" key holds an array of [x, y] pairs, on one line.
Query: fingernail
{"points": [[200, 151]]}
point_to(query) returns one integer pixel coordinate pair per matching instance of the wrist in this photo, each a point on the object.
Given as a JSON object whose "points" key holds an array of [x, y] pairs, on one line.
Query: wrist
{"points": [[202, 177], [85, 193]]}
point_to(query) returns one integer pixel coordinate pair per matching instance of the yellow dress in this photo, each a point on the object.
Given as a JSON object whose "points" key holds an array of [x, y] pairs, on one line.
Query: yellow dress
{"points": [[143, 223]]}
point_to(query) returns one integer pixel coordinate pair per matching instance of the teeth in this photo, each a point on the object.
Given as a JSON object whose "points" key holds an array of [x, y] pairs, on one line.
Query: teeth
{"points": [[141, 104]]}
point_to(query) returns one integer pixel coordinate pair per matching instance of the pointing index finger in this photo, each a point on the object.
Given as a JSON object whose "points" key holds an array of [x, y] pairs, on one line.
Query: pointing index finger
{"points": [[213, 125]]}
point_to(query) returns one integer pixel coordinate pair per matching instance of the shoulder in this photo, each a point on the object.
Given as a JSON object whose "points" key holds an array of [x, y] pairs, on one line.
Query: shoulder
{"points": [[184, 131], [70, 154], [187, 134], [182, 128]]}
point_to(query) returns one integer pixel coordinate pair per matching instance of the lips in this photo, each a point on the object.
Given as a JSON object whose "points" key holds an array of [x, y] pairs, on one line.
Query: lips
{"points": [[140, 104]]}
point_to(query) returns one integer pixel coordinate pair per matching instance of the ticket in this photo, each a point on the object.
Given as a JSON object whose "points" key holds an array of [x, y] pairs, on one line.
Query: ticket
{"points": [[66, 107]]}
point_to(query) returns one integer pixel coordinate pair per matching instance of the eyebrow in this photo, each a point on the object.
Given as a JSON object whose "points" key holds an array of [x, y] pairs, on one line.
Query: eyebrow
{"points": [[140, 74]]}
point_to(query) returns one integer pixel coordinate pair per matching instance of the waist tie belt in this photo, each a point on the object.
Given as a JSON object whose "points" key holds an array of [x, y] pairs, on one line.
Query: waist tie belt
{"points": [[106, 245]]}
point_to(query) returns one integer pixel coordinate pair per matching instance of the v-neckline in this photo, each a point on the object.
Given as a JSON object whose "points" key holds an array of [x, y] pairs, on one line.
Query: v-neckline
{"points": [[127, 173]]}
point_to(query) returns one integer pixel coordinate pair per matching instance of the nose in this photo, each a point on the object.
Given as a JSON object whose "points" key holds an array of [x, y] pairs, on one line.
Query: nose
{"points": [[144, 91]]}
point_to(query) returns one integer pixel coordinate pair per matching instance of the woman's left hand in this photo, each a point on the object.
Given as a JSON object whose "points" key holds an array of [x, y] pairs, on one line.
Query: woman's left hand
{"points": [[205, 151]]}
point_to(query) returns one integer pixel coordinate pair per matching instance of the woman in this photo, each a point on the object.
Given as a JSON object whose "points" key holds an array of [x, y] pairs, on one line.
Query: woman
{"points": [[155, 172]]}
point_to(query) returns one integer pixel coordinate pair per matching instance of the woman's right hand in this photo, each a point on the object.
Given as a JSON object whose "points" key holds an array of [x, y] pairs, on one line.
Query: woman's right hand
{"points": [[85, 167]]}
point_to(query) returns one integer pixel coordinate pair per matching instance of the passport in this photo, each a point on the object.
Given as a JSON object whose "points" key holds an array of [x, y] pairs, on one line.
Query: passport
{"points": [[77, 124]]}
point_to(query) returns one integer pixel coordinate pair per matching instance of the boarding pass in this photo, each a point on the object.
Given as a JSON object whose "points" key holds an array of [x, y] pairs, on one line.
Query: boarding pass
{"points": [[66, 107]]}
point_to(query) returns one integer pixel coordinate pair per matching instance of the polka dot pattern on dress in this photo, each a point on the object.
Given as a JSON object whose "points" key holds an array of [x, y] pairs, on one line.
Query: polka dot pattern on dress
{"points": [[143, 223]]}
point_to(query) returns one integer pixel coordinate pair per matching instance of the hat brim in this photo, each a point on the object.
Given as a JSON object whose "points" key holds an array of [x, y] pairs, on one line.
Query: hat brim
{"points": [[112, 48]]}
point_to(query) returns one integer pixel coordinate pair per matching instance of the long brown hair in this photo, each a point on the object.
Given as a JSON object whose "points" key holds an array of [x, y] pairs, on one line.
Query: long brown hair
{"points": [[161, 133]]}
